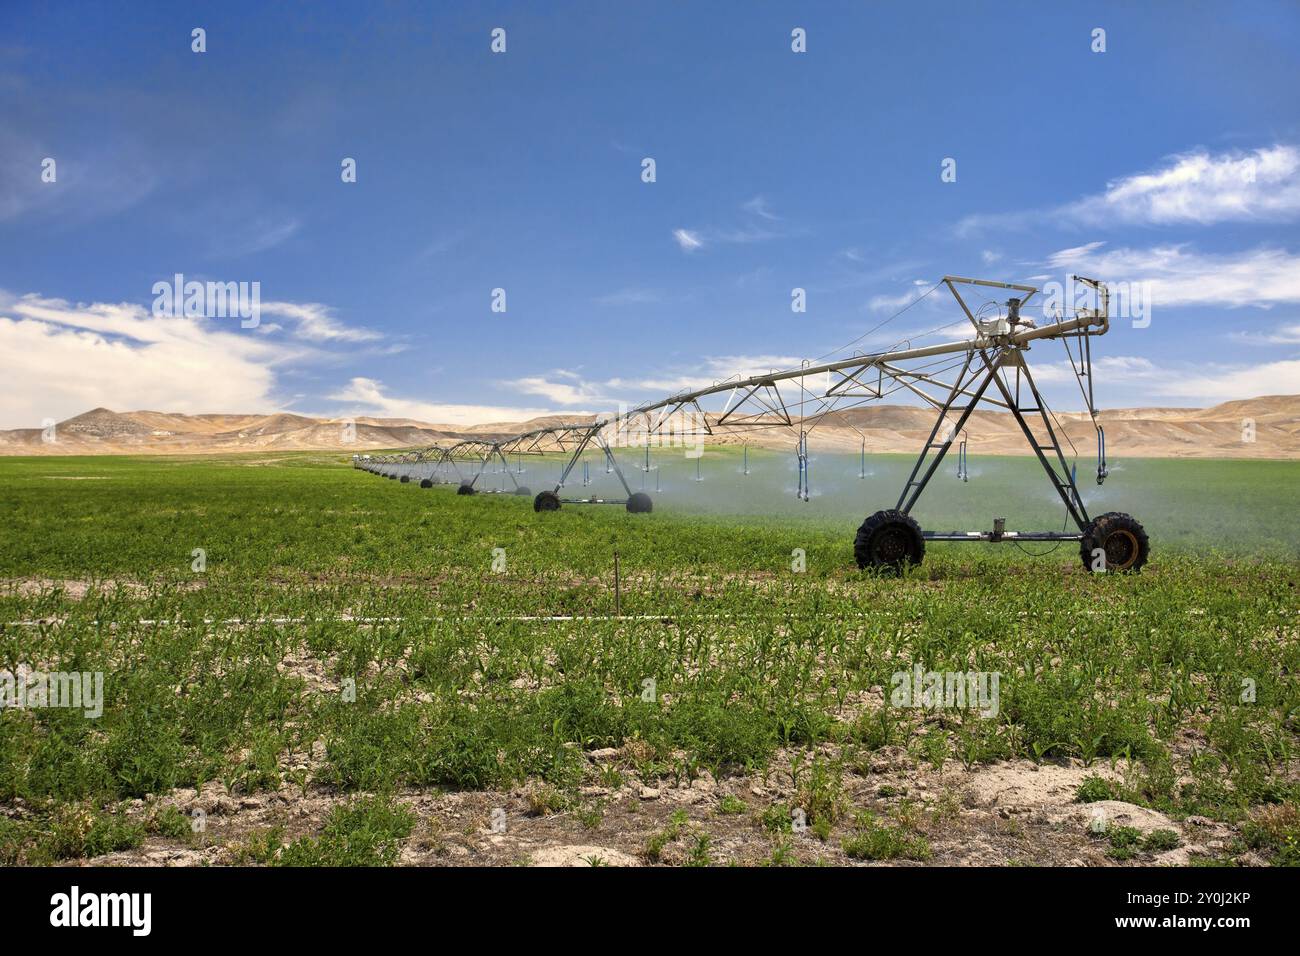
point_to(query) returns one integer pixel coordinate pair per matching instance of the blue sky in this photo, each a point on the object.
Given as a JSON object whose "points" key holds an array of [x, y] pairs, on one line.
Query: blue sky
{"points": [[1172, 158]]}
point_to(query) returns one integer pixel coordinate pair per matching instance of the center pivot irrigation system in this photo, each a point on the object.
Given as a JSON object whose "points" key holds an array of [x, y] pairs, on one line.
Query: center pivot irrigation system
{"points": [[951, 377]]}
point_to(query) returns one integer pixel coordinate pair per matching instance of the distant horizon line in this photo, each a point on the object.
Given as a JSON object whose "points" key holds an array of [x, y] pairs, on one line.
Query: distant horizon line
{"points": [[324, 418]]}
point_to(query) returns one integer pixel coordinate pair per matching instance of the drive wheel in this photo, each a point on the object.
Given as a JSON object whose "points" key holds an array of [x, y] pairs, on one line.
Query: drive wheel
{"points": [[426, 482], [889, 540], [639, 503], [465, 489], [522, 490], [1121, 540], [404, 479], [546, 501]]}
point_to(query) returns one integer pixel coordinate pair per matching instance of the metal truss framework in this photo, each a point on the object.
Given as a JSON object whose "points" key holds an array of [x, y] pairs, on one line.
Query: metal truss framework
{"points": [[952, 378]]}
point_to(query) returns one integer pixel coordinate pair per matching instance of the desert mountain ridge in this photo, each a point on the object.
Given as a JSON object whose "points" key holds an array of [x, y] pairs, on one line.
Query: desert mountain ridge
{"points": [[1216, 432]]}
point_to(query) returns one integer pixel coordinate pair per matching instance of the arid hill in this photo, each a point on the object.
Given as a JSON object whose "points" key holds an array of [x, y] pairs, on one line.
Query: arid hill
{"points": [[1218, 432]]}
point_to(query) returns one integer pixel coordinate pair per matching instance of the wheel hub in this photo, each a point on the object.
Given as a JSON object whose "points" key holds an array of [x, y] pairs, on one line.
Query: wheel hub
{"points": [[891, 545], [1121, 549]]}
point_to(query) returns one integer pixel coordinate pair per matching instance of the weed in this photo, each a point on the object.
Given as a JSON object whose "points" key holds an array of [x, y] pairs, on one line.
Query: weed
{"points": [[260, 847], [876, 840], [658, 841], [366, 832], [732, 805], [1093, 789], [172, 823], [777, 818], [545, 800], [1158, 841], [1275, 831], [1125, 842], [699, 854]]}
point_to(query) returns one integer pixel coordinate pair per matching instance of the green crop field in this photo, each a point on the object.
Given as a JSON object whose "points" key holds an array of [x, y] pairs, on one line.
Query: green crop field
{"points": [[304, 663]]}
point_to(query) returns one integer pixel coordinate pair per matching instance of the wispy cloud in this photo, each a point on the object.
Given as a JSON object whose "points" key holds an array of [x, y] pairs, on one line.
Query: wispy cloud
{"points": [[628, 297], [1285, 333], [1202, 188], [703, 374], [368, 396], [687, 240], [756, 226], [88, 185], [745, 234], [1196, 188], [316, 322], [254, 235], [568, 388], [1224, 383], [1177, 383], [856, 269], [886, 302], [1179, 275], [758, 207], [573, 391], [1201, 384], [441, 245], [242, 223]]}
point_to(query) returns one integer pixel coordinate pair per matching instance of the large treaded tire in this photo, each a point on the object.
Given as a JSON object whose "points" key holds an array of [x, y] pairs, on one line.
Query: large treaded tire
{"points": [[639, 503], [465, 489], [546, 501], [889, 541], [523, 490], [426, 482], [1121, 538], [404, 479]]}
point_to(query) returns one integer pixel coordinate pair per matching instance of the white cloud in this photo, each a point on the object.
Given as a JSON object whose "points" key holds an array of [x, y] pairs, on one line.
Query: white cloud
{"points": [[367, 396], [1178, 275], [1129, 367], [1197, 187], [888, 338], [1202, 188], [687, 240], [708, 372], [258, 235], [1286, 333], [1133, 376], [754, 229], [562, 393], [58, 360], [1220, 383], [609, 393], [316, 322], [885, 303], [245, 225], [1200, 384]]}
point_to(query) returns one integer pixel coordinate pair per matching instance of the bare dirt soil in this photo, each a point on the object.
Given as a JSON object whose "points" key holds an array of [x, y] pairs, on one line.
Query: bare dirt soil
{"points": [[1007, 813]]}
